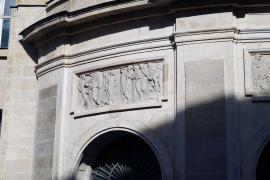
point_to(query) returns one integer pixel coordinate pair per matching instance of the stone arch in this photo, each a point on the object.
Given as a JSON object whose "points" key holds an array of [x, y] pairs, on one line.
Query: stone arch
{"points": [[135, 128], [254, 150], [117, 155], [263, 162]]}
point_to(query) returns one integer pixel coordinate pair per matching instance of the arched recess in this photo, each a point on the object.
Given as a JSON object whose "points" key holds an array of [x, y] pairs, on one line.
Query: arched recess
{"points": [[136, 128], [253, 151], [118, 155], [263, 164]]}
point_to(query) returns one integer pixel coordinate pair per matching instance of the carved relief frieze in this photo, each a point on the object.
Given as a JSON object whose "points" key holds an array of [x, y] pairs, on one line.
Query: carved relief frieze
{"points": [[126, 84], [257, 74], [261, 74]]}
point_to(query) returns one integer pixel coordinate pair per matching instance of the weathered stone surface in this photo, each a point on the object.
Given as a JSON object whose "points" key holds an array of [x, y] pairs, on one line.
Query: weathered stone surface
{"points": [[133, 83], [3, 72], [45, 133], [193, 109], [20, 101], [205, 120], [31, 2], [261, 74]]}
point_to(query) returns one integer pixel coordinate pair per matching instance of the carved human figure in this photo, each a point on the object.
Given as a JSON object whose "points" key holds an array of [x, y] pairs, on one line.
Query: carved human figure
{"points": [[83, 97], [261, 74], [96, 85], [85, 88], [106, 98], [155, 70], [129, 74], [134, 76], [125, 85], [145, 78], [113, 82], [137, 82]]}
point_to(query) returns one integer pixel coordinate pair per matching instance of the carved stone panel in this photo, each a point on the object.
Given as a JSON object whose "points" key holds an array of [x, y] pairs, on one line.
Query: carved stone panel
{"points": [[257, 75], [261, 74], [127, 84]]}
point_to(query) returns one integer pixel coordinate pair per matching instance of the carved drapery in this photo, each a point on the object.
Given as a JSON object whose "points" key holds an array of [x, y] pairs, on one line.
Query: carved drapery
{"points": [[127, 84]]}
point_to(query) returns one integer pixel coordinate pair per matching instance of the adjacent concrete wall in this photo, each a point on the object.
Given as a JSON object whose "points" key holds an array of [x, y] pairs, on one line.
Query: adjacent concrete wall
{"points": [[3, 63], [31, 2], [20, 100], [3, 72]]}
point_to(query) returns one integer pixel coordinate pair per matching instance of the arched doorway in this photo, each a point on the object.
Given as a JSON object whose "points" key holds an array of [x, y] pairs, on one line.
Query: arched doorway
{"points": [[263, 165], [118, 155]]}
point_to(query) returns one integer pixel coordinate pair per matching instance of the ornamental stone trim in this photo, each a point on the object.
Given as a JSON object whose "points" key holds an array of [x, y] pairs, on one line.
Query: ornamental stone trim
{"points": [[122, 87], [257, 74]]}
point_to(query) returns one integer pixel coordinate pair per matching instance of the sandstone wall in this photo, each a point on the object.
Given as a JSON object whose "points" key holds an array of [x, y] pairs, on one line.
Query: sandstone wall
{"points": [[20, 100]]}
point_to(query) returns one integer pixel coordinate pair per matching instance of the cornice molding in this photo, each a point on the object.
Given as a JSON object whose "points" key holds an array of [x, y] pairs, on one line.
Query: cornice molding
{"points": [[65, 19], [122, 49], [68, 19], [232, 34]]}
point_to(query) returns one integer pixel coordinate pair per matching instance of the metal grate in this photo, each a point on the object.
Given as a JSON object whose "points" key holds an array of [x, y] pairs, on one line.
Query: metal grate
{"points": [[126, 159]]}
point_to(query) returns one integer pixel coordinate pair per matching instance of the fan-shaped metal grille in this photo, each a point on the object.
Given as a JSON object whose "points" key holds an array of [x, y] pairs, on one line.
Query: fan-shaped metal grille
{"points": [[112, 172], [127, 158]]}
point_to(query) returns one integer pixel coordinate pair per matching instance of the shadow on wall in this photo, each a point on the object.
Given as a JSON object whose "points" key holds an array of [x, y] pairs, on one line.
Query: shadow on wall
{"points": [[32, 53], [216, 137], [211, 136]]}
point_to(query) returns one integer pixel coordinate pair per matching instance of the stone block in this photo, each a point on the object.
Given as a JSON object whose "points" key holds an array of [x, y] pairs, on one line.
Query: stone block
{"points": [[205, 120], [20, 165], [31, 2], [43, 168], [19, 152], [48, 92], [45, 132], [29, 71], [20, 176], [204, 21]]}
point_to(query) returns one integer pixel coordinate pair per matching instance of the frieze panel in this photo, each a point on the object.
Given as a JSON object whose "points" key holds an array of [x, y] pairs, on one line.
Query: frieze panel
{"points": [[260, 69], [127, 84], [257, 74]]}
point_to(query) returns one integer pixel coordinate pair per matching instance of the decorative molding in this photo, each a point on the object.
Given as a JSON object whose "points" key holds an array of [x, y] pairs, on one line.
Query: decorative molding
{"points": [[151, 44], [118, 108], [103, 53], [206, 35], [65, 19], [257, 74]]}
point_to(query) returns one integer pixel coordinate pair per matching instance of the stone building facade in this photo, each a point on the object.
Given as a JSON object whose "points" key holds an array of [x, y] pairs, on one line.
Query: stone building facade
{"points": [[136, 89]]}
